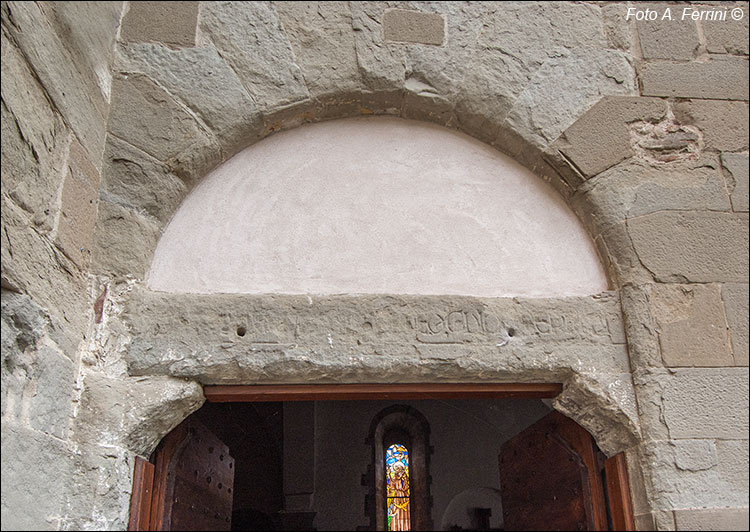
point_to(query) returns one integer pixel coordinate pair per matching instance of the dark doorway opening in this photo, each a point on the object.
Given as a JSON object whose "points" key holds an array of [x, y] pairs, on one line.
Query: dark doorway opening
{"points": [[303, 460]]}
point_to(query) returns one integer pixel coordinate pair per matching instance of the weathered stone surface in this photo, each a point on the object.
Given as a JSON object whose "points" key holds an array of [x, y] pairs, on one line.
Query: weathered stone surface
{"points": [[36, 478], [100, 488], [124, 241], [665, 141], [134, 179], [635, 188], [706, 403], [620, 251], [88, 32], [606, 407], [735, 298], [724, 124], [640, 326], [34, 141], [382, 65], [711, 519], [405, 25], [133, 413], [78, 205], [736, 166], [32, 265], [554, 98], [727, 36], [23, 325], [723, 78], [438, 73], [692, 246], [53, 66], [685, 475], [204, 82], [618, 30], [664, 38], [147, 117], [600, 138], [321, 36], [53, 380], [733, 465], [236, 338], [691, 325], [517, 38], [172, 23], [249, 36]]}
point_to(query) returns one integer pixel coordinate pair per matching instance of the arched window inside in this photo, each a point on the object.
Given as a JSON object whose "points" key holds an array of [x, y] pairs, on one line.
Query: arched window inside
{"points": [[398, 477], [397, 487]]}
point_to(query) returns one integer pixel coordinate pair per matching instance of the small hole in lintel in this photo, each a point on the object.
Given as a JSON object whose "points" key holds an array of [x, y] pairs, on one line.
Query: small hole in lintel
{"points": [[241, 331], [511, 332]]}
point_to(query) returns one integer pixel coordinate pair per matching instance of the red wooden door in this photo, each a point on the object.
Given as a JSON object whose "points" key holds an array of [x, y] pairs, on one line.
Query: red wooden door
{"points": [[193, 481], [550, 479]]}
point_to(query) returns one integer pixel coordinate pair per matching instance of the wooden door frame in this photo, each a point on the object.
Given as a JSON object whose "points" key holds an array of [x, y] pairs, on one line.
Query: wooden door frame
{"points": [[144, 506]]}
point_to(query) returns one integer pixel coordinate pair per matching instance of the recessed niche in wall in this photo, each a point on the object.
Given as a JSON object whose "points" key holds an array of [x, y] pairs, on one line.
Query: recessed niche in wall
{"points": [[375, 205]]}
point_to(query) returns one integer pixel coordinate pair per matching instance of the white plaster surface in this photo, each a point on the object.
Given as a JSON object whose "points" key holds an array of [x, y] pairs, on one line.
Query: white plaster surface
{"points": [[375, 205]]}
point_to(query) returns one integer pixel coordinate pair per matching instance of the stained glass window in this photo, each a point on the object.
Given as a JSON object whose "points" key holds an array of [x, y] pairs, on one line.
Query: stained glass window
{"points": [[397, 487]]}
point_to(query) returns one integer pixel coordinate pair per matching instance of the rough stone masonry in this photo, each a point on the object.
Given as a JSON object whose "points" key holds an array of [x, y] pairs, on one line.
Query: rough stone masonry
{"points": [[112, 112]]}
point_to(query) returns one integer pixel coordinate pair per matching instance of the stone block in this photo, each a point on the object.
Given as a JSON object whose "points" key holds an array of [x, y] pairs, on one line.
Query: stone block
{"points": [[36, 473], [618, 30], [621, 253], [736, 167], [692, 246], [734, 465], [53, 378], [171, 23], [321, 36], [724, 124], [565, 87], [205, 83], [32, 265], [100, 488], [685, 474], [711, 519], [249, 36], [124, 241], [133, 413], [382, 65], [88, 31], [404, 25], [531, 33], [691, 325], [634, 188], [666, 38], [34, 141], [79, 200], [727, 36], [56, 70], [23, 325], [442, 70], [723, 78], [149, 118], [134, 179], [735, 298], [706, 403], [601, 138]]}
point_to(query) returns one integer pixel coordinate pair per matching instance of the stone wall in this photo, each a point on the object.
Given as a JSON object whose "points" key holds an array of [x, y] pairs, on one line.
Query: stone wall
{"points": [[111, 113]]}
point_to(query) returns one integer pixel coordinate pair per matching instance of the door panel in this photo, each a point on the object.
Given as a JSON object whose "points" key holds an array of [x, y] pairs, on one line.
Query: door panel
{"points": [[549, 479], [194, 476]]}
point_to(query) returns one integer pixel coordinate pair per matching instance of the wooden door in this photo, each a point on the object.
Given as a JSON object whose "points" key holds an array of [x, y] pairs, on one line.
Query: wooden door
{"points": [[192, 487], [550, 478]]}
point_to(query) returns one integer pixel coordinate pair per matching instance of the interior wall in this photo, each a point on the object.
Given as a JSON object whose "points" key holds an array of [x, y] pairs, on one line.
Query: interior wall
{"points": [[465, 434]]}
